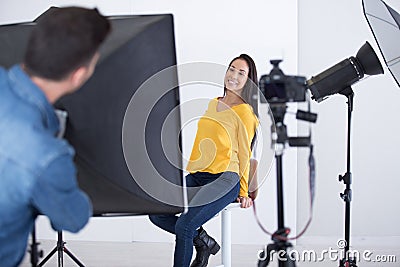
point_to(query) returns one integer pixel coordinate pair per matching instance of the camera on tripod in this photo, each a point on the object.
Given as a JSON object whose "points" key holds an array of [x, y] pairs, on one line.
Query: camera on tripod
{"points": [[279, 89]]}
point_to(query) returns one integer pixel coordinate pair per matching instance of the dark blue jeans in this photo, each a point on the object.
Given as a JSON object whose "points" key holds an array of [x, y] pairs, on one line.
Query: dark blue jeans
{"points": [[211, 194]]}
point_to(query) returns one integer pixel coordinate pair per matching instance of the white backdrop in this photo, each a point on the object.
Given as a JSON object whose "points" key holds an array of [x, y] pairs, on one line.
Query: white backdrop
{"points": [[211, 31], [310, 37], [330, 31]]}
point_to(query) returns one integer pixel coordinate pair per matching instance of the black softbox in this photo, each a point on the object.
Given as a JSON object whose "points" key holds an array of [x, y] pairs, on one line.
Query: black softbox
{"points": [[138, 48]]}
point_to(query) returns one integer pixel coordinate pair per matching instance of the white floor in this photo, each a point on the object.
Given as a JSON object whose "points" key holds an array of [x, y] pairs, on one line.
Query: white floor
{"points": [[124, 254]]}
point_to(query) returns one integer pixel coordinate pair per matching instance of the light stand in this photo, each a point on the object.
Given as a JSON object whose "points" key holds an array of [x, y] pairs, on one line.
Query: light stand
{"points": [[34, 249], [339, 79], [347, 180]]}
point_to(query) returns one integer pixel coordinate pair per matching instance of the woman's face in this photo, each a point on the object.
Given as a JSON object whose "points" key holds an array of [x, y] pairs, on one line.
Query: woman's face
{"points": [[236, 75]]}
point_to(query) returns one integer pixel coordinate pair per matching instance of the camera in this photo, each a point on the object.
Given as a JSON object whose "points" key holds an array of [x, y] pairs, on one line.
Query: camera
{"points": [[280, 88]]}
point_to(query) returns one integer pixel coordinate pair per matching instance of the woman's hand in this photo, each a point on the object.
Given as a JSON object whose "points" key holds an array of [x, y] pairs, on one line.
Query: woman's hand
{"points": [[253, 195], [245, 202]]}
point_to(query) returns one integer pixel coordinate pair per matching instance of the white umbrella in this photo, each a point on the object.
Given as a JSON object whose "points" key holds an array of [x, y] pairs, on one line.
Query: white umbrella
{"points": [[384, 22]]}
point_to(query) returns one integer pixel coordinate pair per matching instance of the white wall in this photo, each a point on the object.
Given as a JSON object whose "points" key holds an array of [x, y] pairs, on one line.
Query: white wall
{"points": [[330, 31], [211, 31], [310, 39]]}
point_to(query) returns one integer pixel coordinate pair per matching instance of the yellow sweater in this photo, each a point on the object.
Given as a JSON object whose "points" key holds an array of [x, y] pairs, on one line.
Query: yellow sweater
{"points": [[223, 142]]}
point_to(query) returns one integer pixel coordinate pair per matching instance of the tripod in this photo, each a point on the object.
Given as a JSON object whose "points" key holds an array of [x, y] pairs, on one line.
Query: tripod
{"points": [[59, 248], [347, 179], [280, 242]]}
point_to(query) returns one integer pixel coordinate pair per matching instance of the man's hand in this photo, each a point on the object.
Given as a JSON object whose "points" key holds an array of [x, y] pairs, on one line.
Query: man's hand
{"points": [[245, 202]]}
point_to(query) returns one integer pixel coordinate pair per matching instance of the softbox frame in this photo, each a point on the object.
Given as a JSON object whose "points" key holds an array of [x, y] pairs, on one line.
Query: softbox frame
{"points": [[138, 48]]}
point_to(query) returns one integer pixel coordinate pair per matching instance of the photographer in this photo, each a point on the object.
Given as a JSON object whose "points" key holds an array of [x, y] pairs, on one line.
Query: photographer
{"points": [[37, 173]]}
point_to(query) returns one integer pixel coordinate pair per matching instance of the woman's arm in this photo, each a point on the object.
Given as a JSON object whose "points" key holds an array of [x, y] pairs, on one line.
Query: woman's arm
{"points": [[253, 179], [247, 202], [246, 131]]}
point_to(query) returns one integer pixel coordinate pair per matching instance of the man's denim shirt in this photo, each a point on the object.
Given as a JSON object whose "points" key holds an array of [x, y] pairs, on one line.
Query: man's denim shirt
{"points": [[37, 173]]}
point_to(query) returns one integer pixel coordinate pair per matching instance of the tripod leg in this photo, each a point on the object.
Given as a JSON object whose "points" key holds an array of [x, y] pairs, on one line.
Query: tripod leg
{"points": [[72, 256], [276, 248], [265, 256], [47, 257], [289, 262]]}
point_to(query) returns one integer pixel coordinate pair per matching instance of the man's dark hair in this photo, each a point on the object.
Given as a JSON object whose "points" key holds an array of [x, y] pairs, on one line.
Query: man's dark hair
{"points": [[64, 39]]}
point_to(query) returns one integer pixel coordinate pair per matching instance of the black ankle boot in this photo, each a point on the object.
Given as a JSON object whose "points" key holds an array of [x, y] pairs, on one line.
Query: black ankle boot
{"points": [[205, 245]]}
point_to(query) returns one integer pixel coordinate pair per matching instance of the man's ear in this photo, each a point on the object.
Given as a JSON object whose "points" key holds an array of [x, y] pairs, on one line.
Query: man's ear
{"points": [[79, 76]]}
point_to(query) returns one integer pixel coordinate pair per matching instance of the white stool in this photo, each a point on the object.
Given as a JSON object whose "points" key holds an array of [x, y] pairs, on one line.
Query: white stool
{"points": [[226, 238]]}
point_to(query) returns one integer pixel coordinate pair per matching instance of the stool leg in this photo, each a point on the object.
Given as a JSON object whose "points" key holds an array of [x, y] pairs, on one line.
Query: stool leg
{"points": [[226, 229]]}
